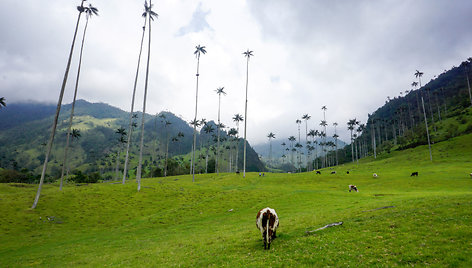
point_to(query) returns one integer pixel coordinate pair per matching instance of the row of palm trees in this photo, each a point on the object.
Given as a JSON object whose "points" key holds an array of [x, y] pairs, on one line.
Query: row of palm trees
{"points": [[406, 119]]}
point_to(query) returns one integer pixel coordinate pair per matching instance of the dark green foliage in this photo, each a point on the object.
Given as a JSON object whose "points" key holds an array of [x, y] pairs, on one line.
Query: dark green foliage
{"points": [[9, 175], [79, 177], [452, 130]]}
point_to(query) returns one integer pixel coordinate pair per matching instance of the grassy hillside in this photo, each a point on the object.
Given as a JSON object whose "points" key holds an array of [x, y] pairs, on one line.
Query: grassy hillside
{"points": [[173, 221], [27, 129]]}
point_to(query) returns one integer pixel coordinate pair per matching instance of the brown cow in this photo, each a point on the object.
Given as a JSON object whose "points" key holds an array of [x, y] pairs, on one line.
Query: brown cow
{"points": [[267, 222]]}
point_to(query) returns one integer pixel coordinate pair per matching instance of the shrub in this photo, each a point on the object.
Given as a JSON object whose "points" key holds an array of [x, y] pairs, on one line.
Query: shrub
{"points": [[452, 130], [83, 178], [10, 175]]}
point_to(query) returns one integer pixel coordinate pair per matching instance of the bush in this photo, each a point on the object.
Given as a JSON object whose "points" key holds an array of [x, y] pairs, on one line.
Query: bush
{"points": [[9, 175], [452, 130], [79, 177]]}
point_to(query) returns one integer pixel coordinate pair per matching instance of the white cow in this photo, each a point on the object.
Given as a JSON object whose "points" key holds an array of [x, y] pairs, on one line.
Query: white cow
{"points": [[375, 175], [267, 222]]}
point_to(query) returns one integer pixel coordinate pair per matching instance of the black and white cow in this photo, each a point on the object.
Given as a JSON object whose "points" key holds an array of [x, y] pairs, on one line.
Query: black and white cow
{"points": [[267, 222], [353, 188]]}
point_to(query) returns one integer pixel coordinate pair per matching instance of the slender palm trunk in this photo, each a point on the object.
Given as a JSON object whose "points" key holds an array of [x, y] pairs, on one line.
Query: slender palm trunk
{"points": [[374, 146], [427, 131], [218, 138], [245, 118], [352, 148], [192, 166], [130, 127], [437, 107], [394, 133], [468, 85], [237, 146], [167, 153], [357, 145], [56, 117], [64, 162], [418, 105], [431, 109], [138, 173], [117, 163]]}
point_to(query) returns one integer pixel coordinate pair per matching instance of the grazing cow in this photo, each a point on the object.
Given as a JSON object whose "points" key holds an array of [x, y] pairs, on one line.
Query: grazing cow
{"points": [[333, 172], [471, 175], [347, 172], [237, 171], [353, 188], [375, 175], [414, 174], [267, 222], [318, 172]]}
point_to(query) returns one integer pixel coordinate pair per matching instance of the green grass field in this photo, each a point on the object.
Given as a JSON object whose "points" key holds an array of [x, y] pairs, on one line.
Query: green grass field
{"points": [[174, 222]]}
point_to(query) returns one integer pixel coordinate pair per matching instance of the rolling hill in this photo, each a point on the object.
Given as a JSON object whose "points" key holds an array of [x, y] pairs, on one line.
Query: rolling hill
{"points": [[26, 129]]}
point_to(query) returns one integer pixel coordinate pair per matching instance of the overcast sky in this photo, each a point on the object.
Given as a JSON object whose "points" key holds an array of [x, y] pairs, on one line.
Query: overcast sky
{"points": [[346, 55]]}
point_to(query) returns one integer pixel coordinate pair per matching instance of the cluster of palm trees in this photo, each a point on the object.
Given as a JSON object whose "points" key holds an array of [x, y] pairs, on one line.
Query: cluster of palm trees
{"points": [[419, 103], [315, 143]]}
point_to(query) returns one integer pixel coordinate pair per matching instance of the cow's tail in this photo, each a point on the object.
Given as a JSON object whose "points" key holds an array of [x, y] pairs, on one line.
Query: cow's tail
{"points": [[267, 228]]}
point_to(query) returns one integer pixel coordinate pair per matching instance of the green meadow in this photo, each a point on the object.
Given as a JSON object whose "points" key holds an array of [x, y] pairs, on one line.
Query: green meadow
{"points": [[394, 219]]}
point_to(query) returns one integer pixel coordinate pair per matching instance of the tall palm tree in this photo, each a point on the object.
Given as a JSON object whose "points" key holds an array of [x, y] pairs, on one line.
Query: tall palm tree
{"points": [[270, 136], [335, 136], [218, 91], [122, 132], [415, 85], [283, 148], [195, 123], [81, 9], [299, 146], [207, 129], [247, 54], [166, 123], [467, 69], [324, 124], [75, 135], [418, 75], [232, 133], [350, 126], [298, 122], [292, 139], [199, 50], [180, 135], [132, 115], [306, 117], [150, 15], [2, 102], [89, 11], [237, 118]]}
